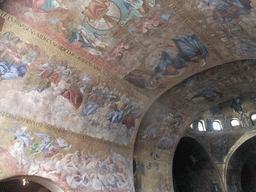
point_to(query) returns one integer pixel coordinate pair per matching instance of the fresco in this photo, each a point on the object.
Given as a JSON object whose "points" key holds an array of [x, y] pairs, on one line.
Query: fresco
{"points": [[237, 20], [162, 123], [161, 131], [138, 37], [201, 91], [51, 90], [44, 155], [190, 49]]}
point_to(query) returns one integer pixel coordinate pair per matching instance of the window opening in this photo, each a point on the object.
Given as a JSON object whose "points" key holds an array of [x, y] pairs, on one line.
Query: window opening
{"points": [[201, 126], [216, 125], [235, 122], [253, 117]]}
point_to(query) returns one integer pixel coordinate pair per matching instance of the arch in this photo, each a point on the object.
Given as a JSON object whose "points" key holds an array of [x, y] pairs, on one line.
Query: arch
{"points": [[208, 93], [53, 187], [234, 162], [186, 101], [191, 164]]}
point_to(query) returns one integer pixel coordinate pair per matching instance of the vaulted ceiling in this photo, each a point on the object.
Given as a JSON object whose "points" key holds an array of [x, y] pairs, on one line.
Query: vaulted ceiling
{"points": [[96, 67]]}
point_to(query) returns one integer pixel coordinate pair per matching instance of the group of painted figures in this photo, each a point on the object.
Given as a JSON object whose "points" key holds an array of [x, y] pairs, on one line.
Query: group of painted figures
{"points": [[37, 72], [237, 17], [93, 30], [100, 20], [76, 171], [162, 130]]}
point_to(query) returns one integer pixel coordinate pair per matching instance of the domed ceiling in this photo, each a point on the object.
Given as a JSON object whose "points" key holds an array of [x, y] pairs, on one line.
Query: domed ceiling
{"points": [[94, 67]]}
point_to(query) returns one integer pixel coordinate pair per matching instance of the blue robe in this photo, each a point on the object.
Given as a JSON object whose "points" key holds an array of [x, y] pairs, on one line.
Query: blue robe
{"points": [[189, 47], [13, 71]]}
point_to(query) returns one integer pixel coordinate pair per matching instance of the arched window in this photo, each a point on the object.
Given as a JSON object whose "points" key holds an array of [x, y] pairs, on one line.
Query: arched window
{"points": [[235, 123], [216, 125], [253, 118], [201, 126]]}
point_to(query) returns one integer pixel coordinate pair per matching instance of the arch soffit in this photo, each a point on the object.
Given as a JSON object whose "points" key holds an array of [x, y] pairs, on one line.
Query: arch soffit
{"points": [[42, 181], [233, 149], [161, 98]]}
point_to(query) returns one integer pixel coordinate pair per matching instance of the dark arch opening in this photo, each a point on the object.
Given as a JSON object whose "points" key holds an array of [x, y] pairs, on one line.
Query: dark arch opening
{"points": [[21, 185], [241, 173], [193, 169], [25, 183]]}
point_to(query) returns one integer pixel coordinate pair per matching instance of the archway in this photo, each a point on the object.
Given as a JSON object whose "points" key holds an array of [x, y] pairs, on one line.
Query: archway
{"points": [[242, 167], [28, 183], [193, 170]]}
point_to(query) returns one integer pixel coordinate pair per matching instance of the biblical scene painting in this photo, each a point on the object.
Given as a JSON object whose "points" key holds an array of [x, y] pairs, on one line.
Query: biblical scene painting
{"points": [[51, 157], [51, 90], [236, 19], [138, 37], [162, 130]]}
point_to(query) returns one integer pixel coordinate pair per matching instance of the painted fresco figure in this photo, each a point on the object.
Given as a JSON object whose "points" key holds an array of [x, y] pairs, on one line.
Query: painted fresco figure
{"points": [[9, 52], [75, 96], [137, 7], [116, 115], [13, 71], [17, 151], [152, 22], [145, 79], [191, 49], [129, 121], [227, 10], [22, 140], [166, 142], [96, 10], [87, 38], [119, 51], [25, 137], [46, 145], [169, 66], [208, 94], [92, 105], [102, 15]]}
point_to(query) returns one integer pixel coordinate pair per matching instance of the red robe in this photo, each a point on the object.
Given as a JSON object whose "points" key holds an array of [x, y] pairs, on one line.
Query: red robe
{"points": [[95, 10], [74, 95], [129, 121]]}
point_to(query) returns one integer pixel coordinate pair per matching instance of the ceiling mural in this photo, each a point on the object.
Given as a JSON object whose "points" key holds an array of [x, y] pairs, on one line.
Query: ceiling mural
{"points": [[190, 98], [86, 83], [25, 151], [50, 89], [202, 90], [162, 130], [142, 39], [235, 18], [190, 49], [146, 40]]}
